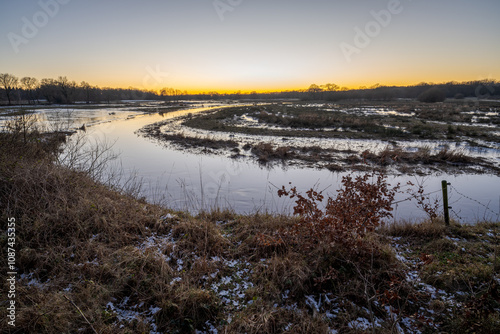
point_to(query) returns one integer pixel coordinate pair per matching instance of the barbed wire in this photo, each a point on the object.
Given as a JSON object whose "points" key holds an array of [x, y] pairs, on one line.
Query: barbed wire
{"points": [[456, 214], [451, 188], [474, 200], [413, 197]]}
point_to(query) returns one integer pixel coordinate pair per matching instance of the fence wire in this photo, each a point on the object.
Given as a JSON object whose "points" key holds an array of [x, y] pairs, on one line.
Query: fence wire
{"points": [[486, 207], [457, 215], [413, 197]]}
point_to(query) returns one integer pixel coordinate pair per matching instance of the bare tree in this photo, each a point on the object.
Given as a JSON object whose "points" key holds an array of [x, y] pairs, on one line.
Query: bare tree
{"points": [[22, 125], [67, 88], [329, 87], [9, 83], [87, 88], [48, 89], [314, 89], [30, 85]]}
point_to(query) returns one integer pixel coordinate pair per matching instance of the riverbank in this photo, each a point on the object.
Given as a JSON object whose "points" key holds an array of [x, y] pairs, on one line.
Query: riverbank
{"points": [[94, 259]]}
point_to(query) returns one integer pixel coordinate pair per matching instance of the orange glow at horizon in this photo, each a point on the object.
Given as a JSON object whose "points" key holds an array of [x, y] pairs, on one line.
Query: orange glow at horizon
{"points": [[348, 84]]}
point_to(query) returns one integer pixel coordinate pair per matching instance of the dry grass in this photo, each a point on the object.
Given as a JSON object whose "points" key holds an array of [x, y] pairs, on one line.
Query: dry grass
{"points": [[266, 152], [425, 230], [461, 260], [263, 318], [424, 155]]}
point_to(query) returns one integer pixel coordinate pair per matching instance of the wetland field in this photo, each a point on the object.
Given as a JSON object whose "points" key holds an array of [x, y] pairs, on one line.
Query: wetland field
{"points": [[404, 136], [235, 155], [177, 218]]}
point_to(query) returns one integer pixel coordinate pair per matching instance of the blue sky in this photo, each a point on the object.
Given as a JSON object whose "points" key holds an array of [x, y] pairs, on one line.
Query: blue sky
{"points": [[228, 45]]}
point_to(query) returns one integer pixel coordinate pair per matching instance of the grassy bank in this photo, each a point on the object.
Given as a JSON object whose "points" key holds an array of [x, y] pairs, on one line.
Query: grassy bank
{"points": [[91, 259]]}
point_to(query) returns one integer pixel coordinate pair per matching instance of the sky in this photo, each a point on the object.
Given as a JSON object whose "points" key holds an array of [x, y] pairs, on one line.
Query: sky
{"points": [[250, 45]]}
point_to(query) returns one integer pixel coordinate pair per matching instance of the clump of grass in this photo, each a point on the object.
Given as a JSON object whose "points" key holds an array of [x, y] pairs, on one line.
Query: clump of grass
{"points": [[397, 156], [426, 230], [455, 156], [200, 236], [266, 152], [461, 260], [262, 317]]}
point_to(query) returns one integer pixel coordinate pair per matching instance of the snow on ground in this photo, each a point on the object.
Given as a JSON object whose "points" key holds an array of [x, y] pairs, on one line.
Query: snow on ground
{"points": [[128, 313]]}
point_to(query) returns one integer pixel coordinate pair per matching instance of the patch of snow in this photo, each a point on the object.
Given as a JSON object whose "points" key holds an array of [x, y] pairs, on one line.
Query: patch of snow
{"points": [[312, 303], [360, 323], [154, 310], [167, 216], [210, 329], [175, 280], [34, 282], [330, 315], [126, 313], [231, 263], [179, 264]]}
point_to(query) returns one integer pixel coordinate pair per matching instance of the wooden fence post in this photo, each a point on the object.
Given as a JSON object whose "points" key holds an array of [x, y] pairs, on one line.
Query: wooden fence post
{"points": [[444, 186]]}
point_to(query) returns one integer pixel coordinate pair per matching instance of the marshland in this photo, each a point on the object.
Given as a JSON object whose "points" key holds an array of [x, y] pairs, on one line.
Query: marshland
{"points": [[249, 167], [167, 217]]}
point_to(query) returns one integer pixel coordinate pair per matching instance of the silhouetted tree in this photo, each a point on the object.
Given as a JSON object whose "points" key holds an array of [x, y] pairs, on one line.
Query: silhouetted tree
{"points": [[432, 95], [48, 89], [87, 89], [67, 89], [329, 87], [9, 83], [30, 85], [314, 89]]}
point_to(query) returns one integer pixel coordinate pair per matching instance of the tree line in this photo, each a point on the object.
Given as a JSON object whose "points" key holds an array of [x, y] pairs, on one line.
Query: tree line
{"points": [[425, 92], [29, 90]]}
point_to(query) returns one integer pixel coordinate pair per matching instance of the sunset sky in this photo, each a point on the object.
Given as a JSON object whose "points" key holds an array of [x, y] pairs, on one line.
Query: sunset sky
{"points": [[230, 45]]}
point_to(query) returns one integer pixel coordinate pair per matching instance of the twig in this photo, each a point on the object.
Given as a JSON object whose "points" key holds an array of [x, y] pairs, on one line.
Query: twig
{"points": [[83, 315]]}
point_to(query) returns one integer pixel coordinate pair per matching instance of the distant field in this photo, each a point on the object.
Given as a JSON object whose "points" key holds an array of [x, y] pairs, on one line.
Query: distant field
{"points": [[433, 135], [369, 120]]}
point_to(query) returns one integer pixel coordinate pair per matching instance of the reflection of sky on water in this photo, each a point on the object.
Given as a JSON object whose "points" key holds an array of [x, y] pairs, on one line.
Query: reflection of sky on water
{"points": [[177, 178], [183, 180]]}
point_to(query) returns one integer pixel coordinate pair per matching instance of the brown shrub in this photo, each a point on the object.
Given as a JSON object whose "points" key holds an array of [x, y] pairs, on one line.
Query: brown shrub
{"points": [[358, 208]]}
